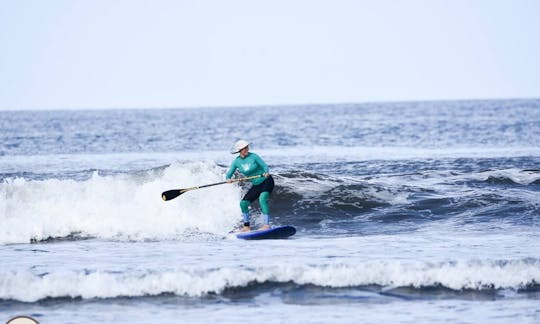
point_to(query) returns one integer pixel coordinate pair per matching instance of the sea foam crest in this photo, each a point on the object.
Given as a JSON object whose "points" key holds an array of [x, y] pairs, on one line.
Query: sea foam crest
{"points": [[195, 281], [122, 206]]}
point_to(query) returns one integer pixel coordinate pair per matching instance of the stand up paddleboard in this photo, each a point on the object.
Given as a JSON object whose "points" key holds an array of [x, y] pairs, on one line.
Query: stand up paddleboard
{"points": [[275, 233]]}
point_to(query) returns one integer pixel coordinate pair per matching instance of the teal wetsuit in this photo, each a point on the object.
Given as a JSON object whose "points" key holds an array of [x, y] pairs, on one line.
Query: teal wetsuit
{"points": [[249, 166], [252, 165]]}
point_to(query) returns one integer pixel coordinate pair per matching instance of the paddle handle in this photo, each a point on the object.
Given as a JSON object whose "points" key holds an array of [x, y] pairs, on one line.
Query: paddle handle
{"points": [[246, 178]]}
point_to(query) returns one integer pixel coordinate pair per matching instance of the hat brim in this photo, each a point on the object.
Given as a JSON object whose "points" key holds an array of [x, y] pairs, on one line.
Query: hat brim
{"points": [[238, 151]]}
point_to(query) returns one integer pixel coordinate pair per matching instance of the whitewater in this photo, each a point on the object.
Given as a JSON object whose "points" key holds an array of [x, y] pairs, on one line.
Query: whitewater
{"points": [[406, 212]]}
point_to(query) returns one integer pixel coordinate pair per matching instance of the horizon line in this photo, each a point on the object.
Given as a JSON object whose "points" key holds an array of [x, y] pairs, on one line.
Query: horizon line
{"points": [[250, 106]]}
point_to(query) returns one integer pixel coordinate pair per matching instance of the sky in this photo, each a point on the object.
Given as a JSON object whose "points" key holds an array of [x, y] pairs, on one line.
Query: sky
{"points": [[101, 54]]}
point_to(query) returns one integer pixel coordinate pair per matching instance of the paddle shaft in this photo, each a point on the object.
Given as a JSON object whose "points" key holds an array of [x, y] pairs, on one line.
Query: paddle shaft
{"points": [[171, 194], [223, 182]]}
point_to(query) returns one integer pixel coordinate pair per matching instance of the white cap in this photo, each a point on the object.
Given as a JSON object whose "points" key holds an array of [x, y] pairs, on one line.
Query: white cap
{"points": [[240, 145]]}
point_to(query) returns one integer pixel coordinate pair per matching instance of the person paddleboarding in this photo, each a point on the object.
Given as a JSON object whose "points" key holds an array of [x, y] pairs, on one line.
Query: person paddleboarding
{"points": [[250, 164]]}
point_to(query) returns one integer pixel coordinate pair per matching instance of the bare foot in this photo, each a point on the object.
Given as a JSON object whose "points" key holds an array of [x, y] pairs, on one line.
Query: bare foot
{"points": [[245, 229], [264, 227]]}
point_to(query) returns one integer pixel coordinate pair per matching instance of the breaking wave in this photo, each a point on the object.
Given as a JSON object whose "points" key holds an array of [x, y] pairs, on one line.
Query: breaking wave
{"points": [[478, 275]]}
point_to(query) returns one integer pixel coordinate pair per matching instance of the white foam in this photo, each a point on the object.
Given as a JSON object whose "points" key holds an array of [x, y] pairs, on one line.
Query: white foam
{"points": [[196, 281], [122, 206]]}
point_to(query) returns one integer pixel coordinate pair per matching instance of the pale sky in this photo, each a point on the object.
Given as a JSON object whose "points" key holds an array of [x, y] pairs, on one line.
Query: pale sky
{"points": [[157, 53]]}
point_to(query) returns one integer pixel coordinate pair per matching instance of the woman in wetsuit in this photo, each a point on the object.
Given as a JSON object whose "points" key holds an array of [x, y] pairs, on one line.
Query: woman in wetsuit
{"points": [[250, 164]]}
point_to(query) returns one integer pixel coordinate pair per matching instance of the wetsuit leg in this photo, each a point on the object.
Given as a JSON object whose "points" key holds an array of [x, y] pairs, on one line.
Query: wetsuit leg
{"points": [[263, 201], [244, 206]]}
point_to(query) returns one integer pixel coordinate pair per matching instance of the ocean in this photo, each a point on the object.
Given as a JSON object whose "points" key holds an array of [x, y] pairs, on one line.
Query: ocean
{"points": [[406, 212]]}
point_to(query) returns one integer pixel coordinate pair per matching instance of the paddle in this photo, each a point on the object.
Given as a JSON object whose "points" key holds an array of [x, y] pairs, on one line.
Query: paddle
{"points": [[171, 194]]}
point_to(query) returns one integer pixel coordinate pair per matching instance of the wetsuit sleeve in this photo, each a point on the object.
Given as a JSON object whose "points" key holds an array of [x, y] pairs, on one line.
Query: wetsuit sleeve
{"points": [[231, 170], [261, 163]]}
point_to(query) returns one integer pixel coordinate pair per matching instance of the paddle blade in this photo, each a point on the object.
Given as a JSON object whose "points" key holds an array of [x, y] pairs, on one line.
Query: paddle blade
{"points": [[171, 194]]}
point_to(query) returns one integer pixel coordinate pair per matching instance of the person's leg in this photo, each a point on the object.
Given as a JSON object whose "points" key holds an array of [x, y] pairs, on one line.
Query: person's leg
{"points": [[263, 202], [267, 188], [244, 206]]}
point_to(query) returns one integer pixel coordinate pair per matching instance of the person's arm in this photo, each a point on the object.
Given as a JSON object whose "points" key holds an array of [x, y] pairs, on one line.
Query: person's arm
{"points": [[262, 164], [231, 170]]}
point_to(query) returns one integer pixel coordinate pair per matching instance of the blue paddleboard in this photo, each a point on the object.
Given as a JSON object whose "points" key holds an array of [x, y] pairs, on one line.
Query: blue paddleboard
{"points": [[275, 233]]}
